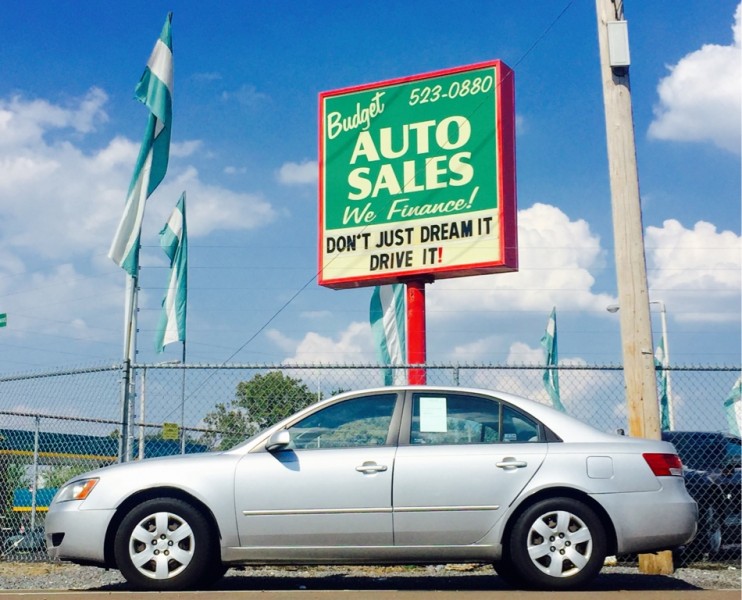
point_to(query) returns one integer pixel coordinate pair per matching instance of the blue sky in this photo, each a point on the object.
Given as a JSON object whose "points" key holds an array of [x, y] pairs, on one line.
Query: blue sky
{"points": [[245, 140]]}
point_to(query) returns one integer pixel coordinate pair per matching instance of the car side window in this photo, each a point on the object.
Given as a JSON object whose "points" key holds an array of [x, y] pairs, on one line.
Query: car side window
{"points": [[462, 419], [517, 427], [454, 419], [362, 421]]}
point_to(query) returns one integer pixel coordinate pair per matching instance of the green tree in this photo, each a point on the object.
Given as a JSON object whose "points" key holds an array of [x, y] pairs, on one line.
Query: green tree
{"points": [[61, 474], [260, 402], [13, 475]]}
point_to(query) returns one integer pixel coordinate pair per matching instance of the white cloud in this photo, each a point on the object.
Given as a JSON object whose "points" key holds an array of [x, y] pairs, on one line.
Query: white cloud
{"points": [[696, 272], [61, 301], [61, 201], [523, 354], [90, 112], [351, 346], [475, 351], [303, 173], [207, 77], [184, 149], [210, 207], [247, 96], [556, 258], [232, 170], [354, 345], [24, 121], [285, 343], [701, 98]]}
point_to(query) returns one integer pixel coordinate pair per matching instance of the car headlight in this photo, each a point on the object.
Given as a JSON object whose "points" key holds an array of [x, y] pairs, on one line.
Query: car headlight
{"points": [[76, 490]]}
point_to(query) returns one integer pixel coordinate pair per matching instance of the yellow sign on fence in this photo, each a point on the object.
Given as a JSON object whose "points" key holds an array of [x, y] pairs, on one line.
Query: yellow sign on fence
{"points": [[170, 431]]}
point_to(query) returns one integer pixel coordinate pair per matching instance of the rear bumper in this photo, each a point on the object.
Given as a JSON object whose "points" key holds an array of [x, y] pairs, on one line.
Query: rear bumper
{"points": [[652, 521]]}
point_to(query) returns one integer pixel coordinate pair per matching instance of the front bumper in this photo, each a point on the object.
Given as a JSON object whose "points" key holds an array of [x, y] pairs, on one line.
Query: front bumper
{"points": [[77, 535]]}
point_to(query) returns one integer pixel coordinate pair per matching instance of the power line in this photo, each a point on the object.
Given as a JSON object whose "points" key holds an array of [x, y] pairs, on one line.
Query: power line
{"points": [[538, 40]]}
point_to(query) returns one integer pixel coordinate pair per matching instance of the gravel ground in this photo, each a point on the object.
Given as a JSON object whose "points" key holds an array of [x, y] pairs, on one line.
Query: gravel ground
{"points": [[47, 576]]}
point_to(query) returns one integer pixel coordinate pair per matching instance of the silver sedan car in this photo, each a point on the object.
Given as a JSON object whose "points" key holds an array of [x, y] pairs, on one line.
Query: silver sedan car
{"points": [[410, 475]]}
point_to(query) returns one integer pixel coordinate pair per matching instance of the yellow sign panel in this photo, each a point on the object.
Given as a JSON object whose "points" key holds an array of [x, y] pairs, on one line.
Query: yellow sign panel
{"points": [[170, 431]]}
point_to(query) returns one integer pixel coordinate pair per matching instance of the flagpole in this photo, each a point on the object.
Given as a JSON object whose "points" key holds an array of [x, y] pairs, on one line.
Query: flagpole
{"points": [[172, 325], [130, 316], [182, 402], [666, 359], [154, 90]]}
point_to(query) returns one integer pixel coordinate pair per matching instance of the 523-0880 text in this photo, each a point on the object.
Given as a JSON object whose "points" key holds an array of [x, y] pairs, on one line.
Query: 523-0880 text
{"points": [[462, 88]]}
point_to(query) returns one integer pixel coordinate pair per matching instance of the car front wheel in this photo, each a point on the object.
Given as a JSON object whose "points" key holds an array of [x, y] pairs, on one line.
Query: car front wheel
{"points": [[164, 544], [558, 543]]}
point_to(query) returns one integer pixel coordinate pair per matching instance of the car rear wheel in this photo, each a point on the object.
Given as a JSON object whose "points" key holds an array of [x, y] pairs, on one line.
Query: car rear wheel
{"points": [[164, 544], [558, 543]]}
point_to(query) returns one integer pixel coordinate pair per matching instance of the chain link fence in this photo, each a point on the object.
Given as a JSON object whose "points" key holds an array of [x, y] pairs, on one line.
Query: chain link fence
{"points": [[56, 425]]}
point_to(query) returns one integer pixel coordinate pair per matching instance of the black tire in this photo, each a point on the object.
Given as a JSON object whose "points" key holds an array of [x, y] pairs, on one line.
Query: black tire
{"points": [[557, 544], [165, 544], [507, 572], [213, 575]]}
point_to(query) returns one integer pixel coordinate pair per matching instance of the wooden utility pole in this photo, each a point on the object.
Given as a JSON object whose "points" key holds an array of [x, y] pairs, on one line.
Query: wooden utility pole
{"points": [[631, 270]]}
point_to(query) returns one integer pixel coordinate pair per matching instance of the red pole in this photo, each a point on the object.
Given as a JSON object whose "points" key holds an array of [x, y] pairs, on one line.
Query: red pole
{"points": [[416, 330]]}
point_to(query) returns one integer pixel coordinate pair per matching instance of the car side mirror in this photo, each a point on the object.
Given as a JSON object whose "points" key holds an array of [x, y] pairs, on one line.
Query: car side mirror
{"points": [[279, 440]]}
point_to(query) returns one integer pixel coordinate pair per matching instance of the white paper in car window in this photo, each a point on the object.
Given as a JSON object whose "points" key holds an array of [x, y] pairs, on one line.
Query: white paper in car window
{"points": [[433, 415]]}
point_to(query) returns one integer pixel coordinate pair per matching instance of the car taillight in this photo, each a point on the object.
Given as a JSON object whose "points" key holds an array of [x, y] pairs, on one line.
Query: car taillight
{"points": [[663, 465]]}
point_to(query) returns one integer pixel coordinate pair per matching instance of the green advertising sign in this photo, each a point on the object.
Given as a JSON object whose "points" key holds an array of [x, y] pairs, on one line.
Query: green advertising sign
{"points": [[417, 177]]}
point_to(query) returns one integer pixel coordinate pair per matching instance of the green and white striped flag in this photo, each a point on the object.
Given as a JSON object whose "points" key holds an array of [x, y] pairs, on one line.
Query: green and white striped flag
{"points": [[3, 319], [733, 407], [551, 373], [155, 90], [660, 365], [388, 315], [174, 241]]}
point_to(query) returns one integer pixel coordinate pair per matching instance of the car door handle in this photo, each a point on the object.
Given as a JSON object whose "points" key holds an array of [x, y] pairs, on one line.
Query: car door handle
{"points": [[371, 467], [511, 463]]}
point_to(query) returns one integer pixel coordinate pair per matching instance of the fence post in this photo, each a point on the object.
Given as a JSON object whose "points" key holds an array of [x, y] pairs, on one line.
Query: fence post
{"points": [[141, 413], [125, 395], [35, 470]]}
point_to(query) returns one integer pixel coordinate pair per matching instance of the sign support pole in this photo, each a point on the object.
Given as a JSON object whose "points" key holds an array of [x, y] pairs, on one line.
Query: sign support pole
{"points": [[417, 183], [416, 344]]}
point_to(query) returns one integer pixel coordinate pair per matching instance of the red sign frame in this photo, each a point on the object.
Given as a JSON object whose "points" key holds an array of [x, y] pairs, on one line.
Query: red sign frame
{"points": [[504, 258]]}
